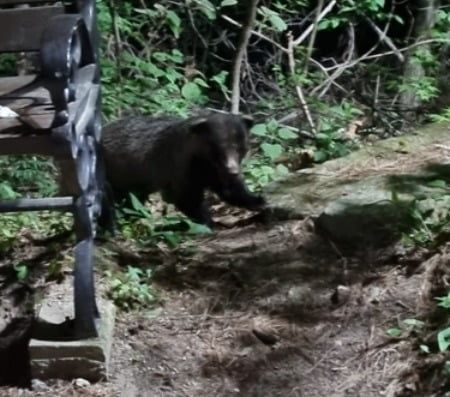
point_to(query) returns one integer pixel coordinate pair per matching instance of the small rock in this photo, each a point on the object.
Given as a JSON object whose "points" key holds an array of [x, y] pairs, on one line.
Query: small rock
{"points": [[38, 385], [6, 112], [299, 294], [340, 295], [375, 295], [80, 382]]}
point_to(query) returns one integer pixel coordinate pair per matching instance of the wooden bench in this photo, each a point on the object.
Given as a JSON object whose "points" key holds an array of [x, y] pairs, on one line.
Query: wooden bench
{"points": [[58, 115]]}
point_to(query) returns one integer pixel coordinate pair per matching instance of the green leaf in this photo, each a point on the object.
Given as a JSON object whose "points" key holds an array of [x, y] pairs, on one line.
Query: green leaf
{"points": [[177, 56], [207, 8], [439, 183], [21, 272], [272, 125], [272, 150], [424, 349], [174, 23], [286, 133], [152, 69], [281, 169], [191, 91], [444, 301], [259, 129], [323, 137], [7, 192], [170, 237], [139, 207], [134, 273], [443, 338], [277, 23], [197, 228], [320, 156], [227, 3], [394, 332], [200, 82], [413, 322]]}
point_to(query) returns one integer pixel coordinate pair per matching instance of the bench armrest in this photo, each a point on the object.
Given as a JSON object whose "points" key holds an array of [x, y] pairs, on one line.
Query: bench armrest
{"points": [[65, 49]]}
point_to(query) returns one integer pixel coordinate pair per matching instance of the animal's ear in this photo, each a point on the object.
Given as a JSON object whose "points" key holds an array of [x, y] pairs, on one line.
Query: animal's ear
{"points": [[198, 125], [248, 120]]}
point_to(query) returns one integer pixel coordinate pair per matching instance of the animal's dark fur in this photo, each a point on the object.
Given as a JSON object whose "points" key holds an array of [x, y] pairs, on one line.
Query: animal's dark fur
{"points": [[181, 159]]}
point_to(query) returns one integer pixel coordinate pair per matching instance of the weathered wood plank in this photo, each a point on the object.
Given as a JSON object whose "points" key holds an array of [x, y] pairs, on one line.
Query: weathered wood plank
{"points": [[10, 85], [16, 2], [29, 100], [22, 27]]}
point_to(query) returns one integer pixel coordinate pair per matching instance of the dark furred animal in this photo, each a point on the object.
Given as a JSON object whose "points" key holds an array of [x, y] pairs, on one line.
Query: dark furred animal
{"points": [[181, 159]]}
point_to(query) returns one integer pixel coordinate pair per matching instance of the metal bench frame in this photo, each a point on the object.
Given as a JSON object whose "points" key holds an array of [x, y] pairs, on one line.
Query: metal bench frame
{"points": [[59, 116]]}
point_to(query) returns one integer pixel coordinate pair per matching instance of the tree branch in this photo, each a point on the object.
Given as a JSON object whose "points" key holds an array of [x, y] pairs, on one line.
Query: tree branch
{"points": [[242, 48]]}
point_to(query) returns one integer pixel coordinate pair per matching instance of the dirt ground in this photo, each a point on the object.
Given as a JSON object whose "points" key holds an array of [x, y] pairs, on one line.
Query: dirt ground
{"points": [[274, 310]]}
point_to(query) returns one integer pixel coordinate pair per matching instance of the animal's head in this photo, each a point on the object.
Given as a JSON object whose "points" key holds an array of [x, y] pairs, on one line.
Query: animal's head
{"points": [[223, 138]]}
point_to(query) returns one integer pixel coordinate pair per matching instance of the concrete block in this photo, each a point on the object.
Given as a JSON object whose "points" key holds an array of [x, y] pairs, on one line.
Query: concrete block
{"points": [[60, 359]]}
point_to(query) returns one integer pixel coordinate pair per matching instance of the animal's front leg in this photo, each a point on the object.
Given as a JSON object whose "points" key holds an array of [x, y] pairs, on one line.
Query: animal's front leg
{"points": [[235, 192], [191, 203]]}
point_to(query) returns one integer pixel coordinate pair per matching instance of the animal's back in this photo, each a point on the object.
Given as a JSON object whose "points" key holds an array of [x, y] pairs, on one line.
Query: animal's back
{"points": [[129, 145]]}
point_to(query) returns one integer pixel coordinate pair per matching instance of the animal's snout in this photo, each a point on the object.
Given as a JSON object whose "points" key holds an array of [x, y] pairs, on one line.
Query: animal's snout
{"points": [[233, 165]]}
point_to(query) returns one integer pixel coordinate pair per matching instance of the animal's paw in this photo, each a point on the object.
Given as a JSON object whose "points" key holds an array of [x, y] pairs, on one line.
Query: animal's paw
{"points": [[257, 203]]}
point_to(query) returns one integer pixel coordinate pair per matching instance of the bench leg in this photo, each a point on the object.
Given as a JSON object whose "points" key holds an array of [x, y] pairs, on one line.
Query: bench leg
{"points": [[86, 311]]}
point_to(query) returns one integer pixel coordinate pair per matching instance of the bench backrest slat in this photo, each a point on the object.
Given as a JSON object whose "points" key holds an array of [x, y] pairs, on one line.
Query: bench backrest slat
{"points": [[17, 2], [21, 28]]}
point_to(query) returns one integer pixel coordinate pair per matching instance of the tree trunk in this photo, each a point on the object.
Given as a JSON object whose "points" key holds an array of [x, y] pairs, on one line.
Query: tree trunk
{"points": [[425, 11], [246, 31]]}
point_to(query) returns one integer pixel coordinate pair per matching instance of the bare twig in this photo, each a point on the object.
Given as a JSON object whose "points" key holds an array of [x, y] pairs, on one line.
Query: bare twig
{"points": [[194, 28], [340, 68], [312, 38], [350, 51], [367, 55], [255, 32], [309, 29], [298, 89], [416, 44], [242, 48], [383, 36], [377, 92]]}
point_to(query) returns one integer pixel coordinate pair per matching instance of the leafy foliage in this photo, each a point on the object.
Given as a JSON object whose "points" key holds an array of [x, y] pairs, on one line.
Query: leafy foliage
{"points": [[130, 289], [139, 224], [431, 217], [26, 174]]}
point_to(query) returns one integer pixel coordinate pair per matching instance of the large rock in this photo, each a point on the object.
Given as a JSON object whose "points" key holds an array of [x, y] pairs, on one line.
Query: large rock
{"points": [[366, 197]]}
